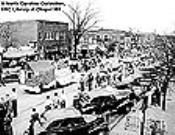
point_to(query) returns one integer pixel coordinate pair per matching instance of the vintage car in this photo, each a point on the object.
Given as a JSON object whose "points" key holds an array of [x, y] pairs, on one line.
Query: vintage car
{"points": [[76, 126], [73, 124], [99, 105], [10, 75]]}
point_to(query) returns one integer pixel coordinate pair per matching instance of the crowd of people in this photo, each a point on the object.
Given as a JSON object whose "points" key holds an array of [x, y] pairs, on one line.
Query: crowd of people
{"points": [[90, 79]]}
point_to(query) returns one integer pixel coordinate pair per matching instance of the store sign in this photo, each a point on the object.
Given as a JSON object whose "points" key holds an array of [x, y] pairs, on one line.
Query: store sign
{"points": [[156, 126], [132, 123]]}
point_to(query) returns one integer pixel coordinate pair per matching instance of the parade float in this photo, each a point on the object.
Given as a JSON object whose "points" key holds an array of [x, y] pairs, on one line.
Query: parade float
{"points": [[38, 76]]}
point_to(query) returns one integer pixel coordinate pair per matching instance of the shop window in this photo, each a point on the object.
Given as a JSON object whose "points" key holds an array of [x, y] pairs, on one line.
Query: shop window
{"points": [[29, 75], [57, 37]]}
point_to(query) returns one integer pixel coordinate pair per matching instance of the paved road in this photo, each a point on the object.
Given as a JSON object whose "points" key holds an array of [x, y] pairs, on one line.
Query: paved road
{"points": [[27, 101]]}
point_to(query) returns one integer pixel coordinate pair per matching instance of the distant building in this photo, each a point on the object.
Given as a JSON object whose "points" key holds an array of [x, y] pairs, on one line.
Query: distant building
{"points": [[102, 36], [49, 37]]}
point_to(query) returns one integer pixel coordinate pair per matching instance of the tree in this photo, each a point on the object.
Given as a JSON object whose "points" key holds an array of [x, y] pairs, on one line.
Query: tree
{"points": [[82, 19], [164, 52], [6, 38], [5, 35]]}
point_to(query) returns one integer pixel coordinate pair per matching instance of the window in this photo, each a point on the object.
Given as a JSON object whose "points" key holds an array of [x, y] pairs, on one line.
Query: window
{"points": [[49, 36], [85, 39], [106, 38], [29, 75], [98, 38], [57, 37], [52, 36], [62, 35]]}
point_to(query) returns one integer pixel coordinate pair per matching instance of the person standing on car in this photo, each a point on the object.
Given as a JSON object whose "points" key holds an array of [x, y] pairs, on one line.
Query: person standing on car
{"points": [[14, 102]]}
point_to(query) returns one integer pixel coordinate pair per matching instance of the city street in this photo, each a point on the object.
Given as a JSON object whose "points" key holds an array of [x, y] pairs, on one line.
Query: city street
{"points": [[80, 77], [27, 101]]}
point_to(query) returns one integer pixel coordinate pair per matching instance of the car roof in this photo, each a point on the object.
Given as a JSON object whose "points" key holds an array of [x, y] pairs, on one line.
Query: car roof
{"points": [[58, 114]]}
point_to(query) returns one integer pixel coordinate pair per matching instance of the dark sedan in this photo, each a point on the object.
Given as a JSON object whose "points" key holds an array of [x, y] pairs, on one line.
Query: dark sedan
{"points": [[101, 104], [76, 126]]}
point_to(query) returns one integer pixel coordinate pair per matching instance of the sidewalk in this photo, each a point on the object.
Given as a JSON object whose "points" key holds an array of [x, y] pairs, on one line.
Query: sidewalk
{"points": [[171, 111]]}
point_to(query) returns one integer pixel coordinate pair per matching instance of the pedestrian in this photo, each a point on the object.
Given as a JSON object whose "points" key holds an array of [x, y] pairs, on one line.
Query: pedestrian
{"points": [[56, 100], [48, 103], [82, 84], [63, 99], [1, 76], [133, 97], [97, 78], [34, 118], [7, 125], [90, 81], [8, 105], [14, 102], [2, 115]]}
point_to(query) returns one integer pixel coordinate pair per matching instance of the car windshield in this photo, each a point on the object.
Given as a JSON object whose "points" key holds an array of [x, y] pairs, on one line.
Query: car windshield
{"points": [[102, 99]]}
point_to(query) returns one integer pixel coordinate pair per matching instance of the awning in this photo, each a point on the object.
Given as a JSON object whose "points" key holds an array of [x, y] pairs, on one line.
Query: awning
{"points": [[19, 53]]}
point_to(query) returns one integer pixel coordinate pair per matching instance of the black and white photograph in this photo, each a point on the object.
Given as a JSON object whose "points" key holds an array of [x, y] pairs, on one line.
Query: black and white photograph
{"points": [[87, 67]]}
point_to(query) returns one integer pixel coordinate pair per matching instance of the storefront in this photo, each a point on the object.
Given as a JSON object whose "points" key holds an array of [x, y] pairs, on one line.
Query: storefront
{"points": [[130, 124], [155, 122]]}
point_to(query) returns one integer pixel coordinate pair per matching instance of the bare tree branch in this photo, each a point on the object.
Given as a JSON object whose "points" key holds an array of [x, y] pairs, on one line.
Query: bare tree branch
{"points": [[82, 20]]}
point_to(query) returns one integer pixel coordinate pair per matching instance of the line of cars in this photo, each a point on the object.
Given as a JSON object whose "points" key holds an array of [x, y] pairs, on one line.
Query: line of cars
{"points": [[103, 103], [69, 121], [86, 117]]}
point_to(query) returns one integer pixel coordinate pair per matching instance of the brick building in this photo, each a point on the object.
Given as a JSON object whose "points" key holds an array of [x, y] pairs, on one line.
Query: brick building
{"points": [[50, 38], [102, 36]]}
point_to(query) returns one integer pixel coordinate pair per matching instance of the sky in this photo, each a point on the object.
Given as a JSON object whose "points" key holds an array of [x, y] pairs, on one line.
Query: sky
{"points": [[142, 15]]}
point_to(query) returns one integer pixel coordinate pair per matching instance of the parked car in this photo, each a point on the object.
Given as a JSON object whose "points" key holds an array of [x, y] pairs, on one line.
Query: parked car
{"points": [[77, 126], [99, 105], [10, 75]]}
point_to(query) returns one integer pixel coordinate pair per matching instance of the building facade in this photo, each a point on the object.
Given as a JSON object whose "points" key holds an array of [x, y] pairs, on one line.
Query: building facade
{"points": [[102, 36], [50, 38]]}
